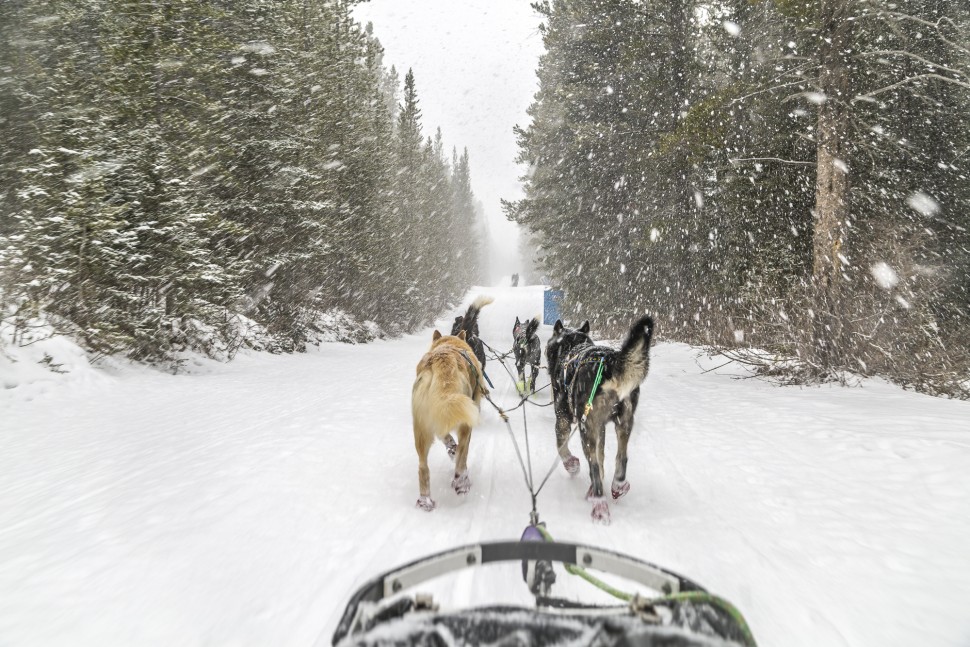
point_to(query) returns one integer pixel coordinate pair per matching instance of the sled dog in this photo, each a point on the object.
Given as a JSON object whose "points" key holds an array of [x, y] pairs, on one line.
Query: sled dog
{"points": [[469, 323], [574, 361], [527, 350], [447, 391]]}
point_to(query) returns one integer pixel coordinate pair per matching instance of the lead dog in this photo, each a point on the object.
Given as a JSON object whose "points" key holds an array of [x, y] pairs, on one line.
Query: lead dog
{"points": [[527, 349], [574, 362], [447, 391]]}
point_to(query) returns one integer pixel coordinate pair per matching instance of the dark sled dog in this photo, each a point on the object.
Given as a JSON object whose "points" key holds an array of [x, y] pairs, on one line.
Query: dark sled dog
{"points": [[469, 323], [527, 350], [447, 391], [574, 361]]}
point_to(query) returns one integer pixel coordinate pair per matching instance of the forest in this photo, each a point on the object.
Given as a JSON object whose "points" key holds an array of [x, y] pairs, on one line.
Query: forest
{"points": [[786, 182], [202, 176], [790, 177]]}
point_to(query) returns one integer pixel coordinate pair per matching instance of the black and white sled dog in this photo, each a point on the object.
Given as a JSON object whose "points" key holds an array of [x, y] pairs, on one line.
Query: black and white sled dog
{"points": [[469, 323], [527, 350], [574, 362]]}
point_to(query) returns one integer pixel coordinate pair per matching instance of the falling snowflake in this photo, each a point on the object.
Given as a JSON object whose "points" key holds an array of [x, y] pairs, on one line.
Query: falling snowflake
{"points": [[884, 275], [260, 47], [923, 203]]}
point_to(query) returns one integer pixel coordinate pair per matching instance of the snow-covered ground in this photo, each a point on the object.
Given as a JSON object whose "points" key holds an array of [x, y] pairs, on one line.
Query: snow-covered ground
{"points": [[244, 503]]}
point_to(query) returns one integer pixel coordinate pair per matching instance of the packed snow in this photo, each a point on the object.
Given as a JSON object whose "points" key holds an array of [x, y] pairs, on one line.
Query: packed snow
{"points": [[243, 503]]}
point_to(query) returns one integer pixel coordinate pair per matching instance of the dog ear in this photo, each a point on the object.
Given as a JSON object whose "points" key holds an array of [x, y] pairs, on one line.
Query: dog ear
{"points": [[516, 320], [461, 335], [585, 328], [558, 327], [436, 336]]}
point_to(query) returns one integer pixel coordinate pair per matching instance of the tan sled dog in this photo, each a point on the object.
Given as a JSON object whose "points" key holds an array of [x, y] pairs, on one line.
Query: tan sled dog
{"points": [[446, 396]]}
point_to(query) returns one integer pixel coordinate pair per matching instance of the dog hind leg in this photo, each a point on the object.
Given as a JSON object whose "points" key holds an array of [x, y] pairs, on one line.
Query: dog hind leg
{"points": [[423, 439], [594, 434], [570, 462], [462, 483], [521, 385], [624, 429]]}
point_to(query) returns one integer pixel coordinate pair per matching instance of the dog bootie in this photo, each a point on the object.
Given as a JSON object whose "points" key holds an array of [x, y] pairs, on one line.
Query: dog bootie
{"points": [[619, 489], [461, 483], [572, 465], [452, 447], [601, 511], [425, 503]]}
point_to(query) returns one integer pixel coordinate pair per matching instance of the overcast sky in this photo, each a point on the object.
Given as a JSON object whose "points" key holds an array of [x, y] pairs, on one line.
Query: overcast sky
{"points": [[474, 64]]}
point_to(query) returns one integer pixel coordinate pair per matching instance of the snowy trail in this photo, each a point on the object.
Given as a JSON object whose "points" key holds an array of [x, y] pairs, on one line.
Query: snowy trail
{"points": [[244, 504]]}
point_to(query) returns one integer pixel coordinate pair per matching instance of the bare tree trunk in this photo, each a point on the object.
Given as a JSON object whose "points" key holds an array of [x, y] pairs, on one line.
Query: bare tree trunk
{"points": [[684, 215], [832, 183]]}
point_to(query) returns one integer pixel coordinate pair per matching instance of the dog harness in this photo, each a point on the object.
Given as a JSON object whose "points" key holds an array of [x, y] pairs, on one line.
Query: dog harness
{"points": [[572, 362], [577, 359], [471, 365]]}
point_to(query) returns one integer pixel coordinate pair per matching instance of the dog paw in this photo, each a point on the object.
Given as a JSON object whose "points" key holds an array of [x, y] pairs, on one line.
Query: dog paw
{"points": [[425, 503], [572, 465], [619, 489], [461, 483], [452, 447], [601, 512]]}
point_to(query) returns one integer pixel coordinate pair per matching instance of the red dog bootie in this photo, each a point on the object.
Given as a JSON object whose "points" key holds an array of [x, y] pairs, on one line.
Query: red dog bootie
{"points": [[601, 512], [572, 465], [461, 483], [619, 489]]}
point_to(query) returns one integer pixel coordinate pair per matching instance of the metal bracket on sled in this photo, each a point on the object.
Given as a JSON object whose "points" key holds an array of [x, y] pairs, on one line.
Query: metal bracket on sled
{"points": [[432, 567]]}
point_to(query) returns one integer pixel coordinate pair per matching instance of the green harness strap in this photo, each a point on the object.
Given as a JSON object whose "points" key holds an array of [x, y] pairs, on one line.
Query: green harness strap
{"points": [[592, 393]]}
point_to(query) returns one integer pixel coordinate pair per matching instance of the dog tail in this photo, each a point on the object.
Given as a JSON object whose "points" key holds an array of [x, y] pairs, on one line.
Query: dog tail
{"points": [[634, 360], [438, 410], [532, 327], [469, 322]]}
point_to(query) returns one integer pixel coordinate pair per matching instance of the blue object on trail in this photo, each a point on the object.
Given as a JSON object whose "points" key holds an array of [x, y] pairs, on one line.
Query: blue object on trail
{"points": [[551, 306]]}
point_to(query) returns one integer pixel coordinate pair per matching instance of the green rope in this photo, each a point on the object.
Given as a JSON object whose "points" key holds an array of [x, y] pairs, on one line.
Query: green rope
{"points": [[685, 596], [592, 393]]}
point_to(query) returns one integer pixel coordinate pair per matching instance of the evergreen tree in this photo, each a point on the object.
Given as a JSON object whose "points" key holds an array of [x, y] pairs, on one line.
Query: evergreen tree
{"points": [[174, 172], [755, 172]]}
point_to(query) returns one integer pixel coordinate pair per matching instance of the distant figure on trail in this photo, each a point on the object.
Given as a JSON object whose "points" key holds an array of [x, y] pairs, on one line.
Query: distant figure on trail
{"points": [[515, 280]]}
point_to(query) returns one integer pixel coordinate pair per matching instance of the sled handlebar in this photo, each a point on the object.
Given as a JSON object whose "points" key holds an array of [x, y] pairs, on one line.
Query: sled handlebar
{"points": [[472, 555]]}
